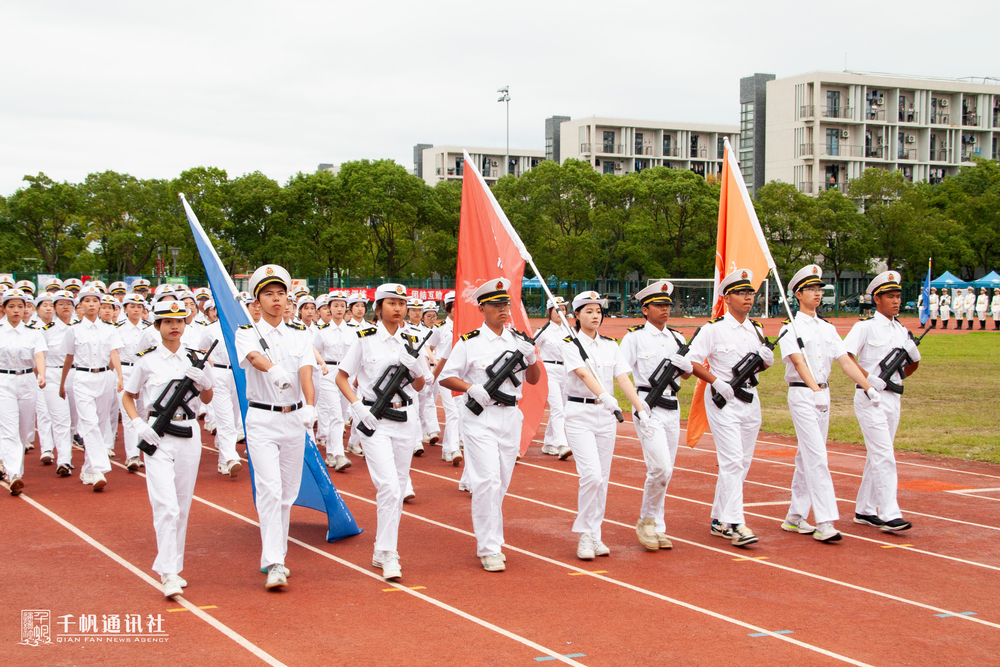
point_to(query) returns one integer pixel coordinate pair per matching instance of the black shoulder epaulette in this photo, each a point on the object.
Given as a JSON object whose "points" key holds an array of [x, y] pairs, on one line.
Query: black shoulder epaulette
{"points": [[471, 334], [295, 325], [568, 339], [322, 326], [352, 323], [150, 349], [756, 324], [246, 326], [146, 325], [786, 321], [716, 319], [203, 323], [366, 332], [29, 325], [608, 337], [636, 327], [191, 349], [118, 324], [866, 317], [441, 323], [410, 337], [49, 325]]}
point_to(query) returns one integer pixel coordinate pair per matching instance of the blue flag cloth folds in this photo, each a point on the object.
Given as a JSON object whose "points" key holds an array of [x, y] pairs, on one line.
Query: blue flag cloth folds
{"points": [[925, 306], [317, 490]]}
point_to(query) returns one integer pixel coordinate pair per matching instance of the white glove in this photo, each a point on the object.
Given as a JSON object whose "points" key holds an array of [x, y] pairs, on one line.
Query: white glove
{"points": [[308, 414], [363, 415], [643, 427], [479, 394], [609, 402], [145, 432], [874, 396], [201, 381], [911, 349], [876, 382], [645, 408], [821, 401], [724, 389], [528, 350], [410, 363], [766, 355], [280, 377], [681, 363]]}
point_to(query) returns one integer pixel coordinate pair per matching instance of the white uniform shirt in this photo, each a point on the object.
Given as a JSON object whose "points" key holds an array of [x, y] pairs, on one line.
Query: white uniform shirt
{"points": [[643, 350], [995, 303], [970, 300], [981, 302], [333, 340], [373, 352], [209, 334], [933, 301], [154, 369], [18, 346], [550, 341], [821, 346], [55, 335], [607, 358], [723, 342], [91, 343], [872, 339], [475, 352], [945, 301], [131, 336], [290, 347], [442, 331]]}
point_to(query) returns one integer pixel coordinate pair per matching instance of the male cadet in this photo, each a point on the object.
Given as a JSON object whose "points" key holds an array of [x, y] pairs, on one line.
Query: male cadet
{"points": [[934, 305], [722, 343], [982, 301], [549, 341], [809, 404], [277, 417], [493, 437], [944, 305], [54, 286], [995, 308], [442, 342], [333, 340], [970, 305], [868, 342], [141, 287]]}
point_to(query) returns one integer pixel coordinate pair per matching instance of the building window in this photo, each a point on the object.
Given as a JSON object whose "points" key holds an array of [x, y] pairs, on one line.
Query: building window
{"points": [[694, 148], [666, 145], [722, 147], [609, 167], [609, 141], [459, 163], [638, 143], [640, 165], [548, 149], [833, 142], [746, 126]]}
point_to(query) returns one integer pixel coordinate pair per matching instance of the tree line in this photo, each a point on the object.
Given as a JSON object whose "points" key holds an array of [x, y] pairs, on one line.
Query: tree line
{"points": [[373, 219]]}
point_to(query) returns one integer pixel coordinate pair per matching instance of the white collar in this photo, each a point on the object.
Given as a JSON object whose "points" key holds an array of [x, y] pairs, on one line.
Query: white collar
{"points": [[489, 332]]}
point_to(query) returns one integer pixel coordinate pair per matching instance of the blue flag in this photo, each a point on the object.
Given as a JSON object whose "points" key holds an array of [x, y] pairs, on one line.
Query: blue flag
{"points": [[925, 308], [317, 490]]}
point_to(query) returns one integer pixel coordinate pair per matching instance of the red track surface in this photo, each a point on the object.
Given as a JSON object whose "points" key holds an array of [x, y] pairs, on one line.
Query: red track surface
{"points": [[868, 599]]}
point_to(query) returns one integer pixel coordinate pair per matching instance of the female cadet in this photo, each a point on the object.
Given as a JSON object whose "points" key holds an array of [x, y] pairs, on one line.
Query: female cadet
{"points": [[131, 332], [226, 417], [549, 341], [590, 429], [22, 350], [389, 449], [54, 312], [428, 395], [944, 305], [333, 339], [172, 469]]}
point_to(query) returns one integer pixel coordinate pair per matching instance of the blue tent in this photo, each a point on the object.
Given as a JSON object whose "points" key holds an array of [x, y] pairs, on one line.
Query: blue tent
{"points": [[946, 279], [537, 283], [990, 280]]}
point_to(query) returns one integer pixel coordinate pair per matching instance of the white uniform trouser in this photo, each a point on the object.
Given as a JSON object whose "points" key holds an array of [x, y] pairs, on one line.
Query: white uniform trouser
{"points": [[877, 493], [812, 485], [591, 432], [129, 435], [18, 395], [452, 411], [659, 453], [555, 430], [74, 419], [388, 453], [54, 421], [945, 313], [734, 429], [492, 440], [331, 414], [228, 420], [276, 444], [93, 395], [933, 312], [970, 313], [981, 313], [428, 409], [995, 312], [111, 429], [170, 476]]}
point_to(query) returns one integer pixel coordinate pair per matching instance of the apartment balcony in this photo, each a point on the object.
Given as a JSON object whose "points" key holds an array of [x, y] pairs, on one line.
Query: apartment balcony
{"points": [[875, 153], [837, 112], [671, 151], [876, 115], [970, 119], [585, 149], [939, 155], [834, 185], [807, 112], [909, 116], [940, 119], [906, 154], [842, 150], [967, 155], [805, 187], [613, 149], [699, 153], [644, 150], [806, 151]]}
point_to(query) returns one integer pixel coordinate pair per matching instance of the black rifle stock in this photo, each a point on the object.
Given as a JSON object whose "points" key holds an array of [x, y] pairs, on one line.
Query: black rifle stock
{"points": [[583, 355], [666, 376], [390, 385], [894, 362], [746, 371]]}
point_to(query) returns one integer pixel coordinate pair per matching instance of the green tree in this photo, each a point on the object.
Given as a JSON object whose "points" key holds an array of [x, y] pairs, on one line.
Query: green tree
{"points": [[205, 190], [880, 194], [257, 220], [786, 218], [972, 200], [684, 212], [843, 232], [44, 216], [438, 235]]}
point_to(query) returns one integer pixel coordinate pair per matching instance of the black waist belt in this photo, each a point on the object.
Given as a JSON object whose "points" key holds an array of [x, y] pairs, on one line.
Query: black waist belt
{"points": [[228, 368], [579, 399], [331, 363], [665, 402], [822, 385], [92, 370], [394, 404], [275, 408], [174, 429], [551, 361], [887, 388], [178, 416], [127, 363], [19, 372]]}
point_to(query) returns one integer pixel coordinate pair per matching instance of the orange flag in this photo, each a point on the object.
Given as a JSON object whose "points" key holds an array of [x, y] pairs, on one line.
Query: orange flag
{"points": [[741, 245], [489, 248]]}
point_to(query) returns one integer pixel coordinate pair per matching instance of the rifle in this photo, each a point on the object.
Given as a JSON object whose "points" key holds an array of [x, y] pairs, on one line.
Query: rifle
{"points": [[175, 396], [585, 357], [390, 385], [746, 371], [666, 375], [894, 363], [504, 367]]}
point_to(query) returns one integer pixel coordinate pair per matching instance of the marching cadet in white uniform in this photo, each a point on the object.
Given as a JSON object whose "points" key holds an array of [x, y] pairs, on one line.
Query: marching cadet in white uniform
{"points": [[982, 301], [944, 305], [493, 437], [444, 332], [172, 469], [431, 432], [549, 342], [658, 426], [55, 311], [590, 424], [131, 331], [389, 450], [22, 374], [333, 341], [91, 348], [415, 327], [357, 307], [723, 342], [970, 305], [869, 341], [809, 405], [995, 308], [934, 306], [228, 420], [277, 418]]}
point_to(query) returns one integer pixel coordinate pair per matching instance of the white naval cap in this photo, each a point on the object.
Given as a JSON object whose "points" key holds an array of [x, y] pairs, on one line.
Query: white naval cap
{"points": [[99, 285], [449, 297], [737, 280], [162, 292], [357, 297], [163, 287], [25, 286], [337, 295], [304, 299], [200, 292], [15, 293], [167, 310], [245, 297], [390, 291], [414, 302], [811, 274], [5, 280], [90, 290], [322, 300], [493, 291], [117, 287], [430, 306], [887, 281], [108, 299], [63, 295], [555, 303], [208, 304], [141, 282], [134, 298], [44, 296], [586, 298], [269, 274], [72, 282], [658, 292], [54, 283]]}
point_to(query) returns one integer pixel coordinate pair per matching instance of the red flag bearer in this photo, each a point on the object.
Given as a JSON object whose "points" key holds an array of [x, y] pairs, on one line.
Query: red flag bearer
{"points": [[492, 438]]}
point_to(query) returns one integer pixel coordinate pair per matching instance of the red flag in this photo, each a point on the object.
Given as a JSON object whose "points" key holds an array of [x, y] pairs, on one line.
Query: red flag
{"points": [[741, 245], [489, 248]]}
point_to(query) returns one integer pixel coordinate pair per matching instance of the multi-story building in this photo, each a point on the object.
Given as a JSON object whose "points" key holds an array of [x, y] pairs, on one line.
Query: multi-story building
{"points": [[825, 128], [617, 146], [753, 125], [447, 163], [418, 159], [552, 127]]}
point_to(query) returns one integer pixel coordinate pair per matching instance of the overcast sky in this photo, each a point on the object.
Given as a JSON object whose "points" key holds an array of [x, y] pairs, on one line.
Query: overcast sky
{"points": [[152, 89]]}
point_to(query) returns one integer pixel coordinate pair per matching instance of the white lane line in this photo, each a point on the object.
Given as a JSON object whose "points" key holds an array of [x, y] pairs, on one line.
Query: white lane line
{"points": [[215, 623], [771, 518], [729, 554], [616, 582], [775, 502]]}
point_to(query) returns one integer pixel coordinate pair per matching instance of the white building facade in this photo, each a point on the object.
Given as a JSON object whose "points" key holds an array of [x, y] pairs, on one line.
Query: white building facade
{"points": [[447, 163]]}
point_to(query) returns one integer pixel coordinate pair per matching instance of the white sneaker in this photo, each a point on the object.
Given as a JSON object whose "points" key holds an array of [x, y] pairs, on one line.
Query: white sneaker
{"points": [[743, 536], [409, 496], [565, 452], [601, 549], [551, 450], [86, 478], [390, 566], [341, 463], [493, 563], [276, 577], [418, 450], [796, 524], [434, 438], [28, 447], [455, 458], [111, 454], [355, 448], [825, 532], [233, 468], [46, 458], [211, 427], [645, 530], [585, 547], [426, 439], [462, 486], [331, 460], [99, 481], [171, 585], [132, 464]]}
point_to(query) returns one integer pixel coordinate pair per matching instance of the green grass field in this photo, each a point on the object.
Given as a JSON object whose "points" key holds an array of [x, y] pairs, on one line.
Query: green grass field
{"points": [[950, 407]]}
